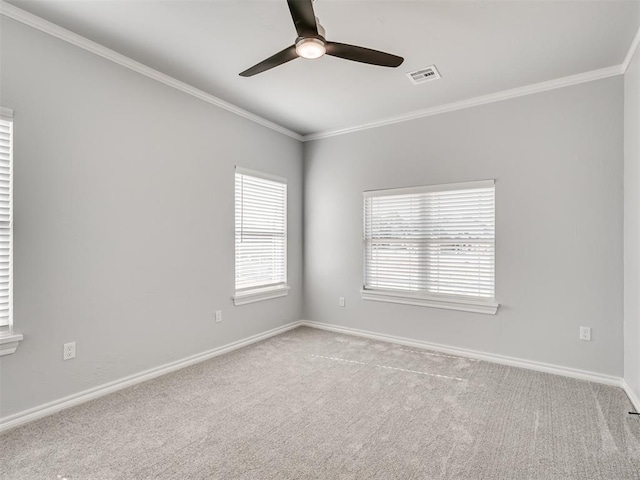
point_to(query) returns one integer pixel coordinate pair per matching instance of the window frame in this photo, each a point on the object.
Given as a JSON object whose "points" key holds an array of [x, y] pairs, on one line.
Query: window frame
{"points": [[9, 340], [259, 293], [467, 303]]}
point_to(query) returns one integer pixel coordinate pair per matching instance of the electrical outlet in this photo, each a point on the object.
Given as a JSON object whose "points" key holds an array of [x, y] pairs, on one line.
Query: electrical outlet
{"points": [[341, 301], [69, 351], [585, 333], [218, 316]]}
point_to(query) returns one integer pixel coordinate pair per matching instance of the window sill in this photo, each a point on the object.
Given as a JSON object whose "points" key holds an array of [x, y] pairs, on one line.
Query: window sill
{"points": [[260, 294], [9, 343], [452, 303]]}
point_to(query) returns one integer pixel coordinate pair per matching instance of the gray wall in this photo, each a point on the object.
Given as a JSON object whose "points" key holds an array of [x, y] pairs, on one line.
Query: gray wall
{"points": [[632, 225], [124, 220], [557, 158]]}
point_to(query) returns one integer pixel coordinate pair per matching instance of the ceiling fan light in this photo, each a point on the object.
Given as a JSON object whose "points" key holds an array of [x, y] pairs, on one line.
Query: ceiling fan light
{"points": [[310, 48]]}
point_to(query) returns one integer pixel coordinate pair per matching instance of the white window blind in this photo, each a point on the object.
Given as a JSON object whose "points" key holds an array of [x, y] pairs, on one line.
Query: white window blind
{"points": [[6, 220], [261, 231], [437, 240]]}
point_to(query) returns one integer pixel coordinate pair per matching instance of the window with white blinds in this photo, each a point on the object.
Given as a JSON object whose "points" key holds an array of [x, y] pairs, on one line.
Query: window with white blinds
{"points": [[431, 244], [6, 220], [260, 236]]}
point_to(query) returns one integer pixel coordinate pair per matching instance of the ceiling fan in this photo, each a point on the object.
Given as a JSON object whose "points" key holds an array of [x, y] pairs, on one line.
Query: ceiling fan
{"points": [[312, 44]]}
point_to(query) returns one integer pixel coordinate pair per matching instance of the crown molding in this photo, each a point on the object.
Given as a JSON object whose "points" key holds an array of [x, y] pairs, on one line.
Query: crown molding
{"points": [[482, 100], [54, 30], [632, 50]]}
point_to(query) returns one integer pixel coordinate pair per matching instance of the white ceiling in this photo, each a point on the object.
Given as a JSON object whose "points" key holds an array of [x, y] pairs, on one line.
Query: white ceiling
{"points": [[480, 47]]}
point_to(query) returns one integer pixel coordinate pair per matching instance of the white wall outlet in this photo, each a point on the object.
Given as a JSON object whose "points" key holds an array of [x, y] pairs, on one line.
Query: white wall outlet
{"points": [[69, 351], [341, 301], [218, 316], [585, 333]]}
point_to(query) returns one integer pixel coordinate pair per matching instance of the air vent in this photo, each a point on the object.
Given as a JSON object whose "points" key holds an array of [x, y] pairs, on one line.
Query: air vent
{"points": [[424, 75]]}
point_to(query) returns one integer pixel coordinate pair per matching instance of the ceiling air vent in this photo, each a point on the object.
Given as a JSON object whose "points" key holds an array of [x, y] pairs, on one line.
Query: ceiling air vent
{"points": [[424, 75]]}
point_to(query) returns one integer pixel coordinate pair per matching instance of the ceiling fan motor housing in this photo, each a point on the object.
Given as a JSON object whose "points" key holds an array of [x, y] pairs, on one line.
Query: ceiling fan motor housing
{"points": [[311, 47]]}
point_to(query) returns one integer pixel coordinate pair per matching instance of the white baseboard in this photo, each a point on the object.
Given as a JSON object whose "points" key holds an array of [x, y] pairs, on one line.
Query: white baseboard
{"points": [[40, 411], [463, 352], [633, 398], [46, 409]]}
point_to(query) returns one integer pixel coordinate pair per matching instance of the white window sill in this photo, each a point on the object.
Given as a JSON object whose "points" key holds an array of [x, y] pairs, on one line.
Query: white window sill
{"points": [[9, 343], [450, 303], [260, 294]]}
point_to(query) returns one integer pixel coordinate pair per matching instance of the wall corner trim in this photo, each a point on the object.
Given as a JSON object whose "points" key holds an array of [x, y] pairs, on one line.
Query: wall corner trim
{"points": [[463, 352], [477, 101], [632, 50], [54, 30], [633, 398], [35, 413]]}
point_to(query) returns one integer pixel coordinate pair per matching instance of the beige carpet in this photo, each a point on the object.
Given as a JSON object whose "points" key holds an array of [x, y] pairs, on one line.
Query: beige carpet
{"points": [[310, 404]]}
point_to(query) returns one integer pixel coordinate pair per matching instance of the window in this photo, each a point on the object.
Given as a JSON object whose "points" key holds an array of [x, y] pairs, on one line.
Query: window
{"points": [[260, 237], [432, 246], [8, 340], [6, 140]]}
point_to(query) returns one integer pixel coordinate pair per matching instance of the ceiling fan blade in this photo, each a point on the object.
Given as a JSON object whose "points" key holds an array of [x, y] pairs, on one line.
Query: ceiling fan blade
{"points": [[303, 17], [364, 55], [279, 58]]}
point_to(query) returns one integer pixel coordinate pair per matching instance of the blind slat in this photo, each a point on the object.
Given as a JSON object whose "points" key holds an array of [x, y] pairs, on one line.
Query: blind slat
{"points": [[6, 146], [433, 242], [260, 232]]}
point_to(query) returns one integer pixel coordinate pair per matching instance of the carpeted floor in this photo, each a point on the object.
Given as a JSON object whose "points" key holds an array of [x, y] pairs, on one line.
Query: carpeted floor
{"points": [[310, 404]]}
